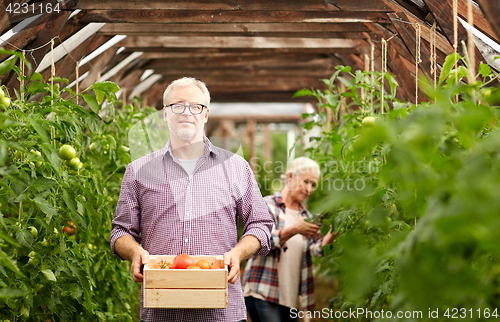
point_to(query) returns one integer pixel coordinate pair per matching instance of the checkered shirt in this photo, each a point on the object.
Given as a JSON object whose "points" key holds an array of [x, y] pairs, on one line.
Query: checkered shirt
{"points": [[261, 272], [170, 213]]}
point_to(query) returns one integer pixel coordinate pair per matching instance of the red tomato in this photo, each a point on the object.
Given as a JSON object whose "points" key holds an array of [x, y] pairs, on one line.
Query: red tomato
{"points": [[193, 266], [71, 229], [216, 266], [182, 261]]}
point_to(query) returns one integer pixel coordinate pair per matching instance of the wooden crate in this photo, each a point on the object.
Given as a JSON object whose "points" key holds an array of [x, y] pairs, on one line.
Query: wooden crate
{"points": [[185, 288]]}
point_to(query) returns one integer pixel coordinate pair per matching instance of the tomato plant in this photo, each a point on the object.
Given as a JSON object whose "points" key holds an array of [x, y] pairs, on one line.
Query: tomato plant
{"points": [[47, 274], [414, 194]]}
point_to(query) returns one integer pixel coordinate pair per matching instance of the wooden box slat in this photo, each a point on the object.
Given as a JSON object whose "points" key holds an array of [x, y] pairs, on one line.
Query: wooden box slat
{"points": [[185, 298]]}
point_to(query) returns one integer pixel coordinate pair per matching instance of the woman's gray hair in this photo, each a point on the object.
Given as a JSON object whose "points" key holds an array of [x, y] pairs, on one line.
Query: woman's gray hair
{"points": [[302, 164], [183, 82]]}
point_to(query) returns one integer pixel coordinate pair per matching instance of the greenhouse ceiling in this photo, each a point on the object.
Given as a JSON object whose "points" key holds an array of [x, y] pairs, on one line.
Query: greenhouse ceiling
{"points": [[244, 50]]}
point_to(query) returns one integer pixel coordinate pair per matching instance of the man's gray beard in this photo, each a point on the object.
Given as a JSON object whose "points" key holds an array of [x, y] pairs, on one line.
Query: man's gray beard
{"points": [[187, 135]]}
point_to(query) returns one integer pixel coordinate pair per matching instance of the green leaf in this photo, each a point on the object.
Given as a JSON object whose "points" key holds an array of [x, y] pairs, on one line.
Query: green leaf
{"points": [[7, 65], [41, 184], [99, 95], [12, 292], [448, 65], [303, 92], [92, 102], [49, 274], [24, 237], [484, 70], [36, 77], [69, 200], [10, 263], [44, 206], [35, 122]]}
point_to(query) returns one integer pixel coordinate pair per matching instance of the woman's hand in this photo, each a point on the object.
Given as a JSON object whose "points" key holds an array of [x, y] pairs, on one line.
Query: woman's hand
{"points": [[305, 228]]}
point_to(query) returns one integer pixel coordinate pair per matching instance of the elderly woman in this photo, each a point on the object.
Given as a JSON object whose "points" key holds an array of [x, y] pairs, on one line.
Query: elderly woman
{"points": [[273, 283]]}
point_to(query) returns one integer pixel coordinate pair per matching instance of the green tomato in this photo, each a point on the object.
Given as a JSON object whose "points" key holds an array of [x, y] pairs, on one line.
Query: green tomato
{"points": [[45, 242], [37, 153], [34, 231], [18, 154], [388, 219], [93, 147], [123, 148], [5, 101], [67, 152], [73, 163], [2, 93], [368, 121]]}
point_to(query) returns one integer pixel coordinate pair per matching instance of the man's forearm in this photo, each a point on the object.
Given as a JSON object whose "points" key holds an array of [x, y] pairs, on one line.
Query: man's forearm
{"points": [[127, 247], [247, 247]]}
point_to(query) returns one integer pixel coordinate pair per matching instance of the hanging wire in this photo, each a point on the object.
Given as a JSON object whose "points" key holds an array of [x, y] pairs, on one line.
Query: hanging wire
{"points": [[417, 60], [372, 68], [470, 43], [384, 70], [50, 42], [433, 58]]}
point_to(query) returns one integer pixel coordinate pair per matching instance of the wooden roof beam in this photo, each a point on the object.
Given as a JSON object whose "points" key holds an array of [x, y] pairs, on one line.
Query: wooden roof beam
{"points": [[207, 16], [491, 10], [51, 28], [249, 28], [239, 42], [239, 5]]}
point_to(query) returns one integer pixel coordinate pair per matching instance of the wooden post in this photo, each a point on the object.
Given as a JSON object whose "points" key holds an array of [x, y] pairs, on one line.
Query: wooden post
{"points": [[251, 144], [267, 142]]}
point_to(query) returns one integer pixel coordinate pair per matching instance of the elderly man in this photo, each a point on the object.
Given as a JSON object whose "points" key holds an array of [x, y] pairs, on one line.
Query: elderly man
{"points": [[187, 198]]}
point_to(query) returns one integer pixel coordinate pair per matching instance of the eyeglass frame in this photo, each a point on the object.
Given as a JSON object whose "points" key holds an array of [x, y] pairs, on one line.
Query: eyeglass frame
{"points": [[186, 106]]}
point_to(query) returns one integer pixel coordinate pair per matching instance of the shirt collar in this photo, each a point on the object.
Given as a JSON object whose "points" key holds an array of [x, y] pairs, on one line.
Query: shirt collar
{"points": [[209, 148], [281, 203]]}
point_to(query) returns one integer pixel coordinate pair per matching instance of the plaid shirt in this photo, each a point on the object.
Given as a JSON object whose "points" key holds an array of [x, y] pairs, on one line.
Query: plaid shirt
{"points": [[261, 272], [170, 213]]}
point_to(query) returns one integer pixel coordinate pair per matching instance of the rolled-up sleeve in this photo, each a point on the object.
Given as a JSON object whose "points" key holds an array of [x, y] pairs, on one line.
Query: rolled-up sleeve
{"points": [[315, 246], [127, 215], [253, 212]]}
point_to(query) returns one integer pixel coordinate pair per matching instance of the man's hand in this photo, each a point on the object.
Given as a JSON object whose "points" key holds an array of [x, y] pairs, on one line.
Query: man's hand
{"points": [[139, 259], [233, 260], [246, 247], [130, 250]]}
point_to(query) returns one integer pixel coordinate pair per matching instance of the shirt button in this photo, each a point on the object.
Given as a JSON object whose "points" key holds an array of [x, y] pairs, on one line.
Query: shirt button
{"points": [[186, 240]]}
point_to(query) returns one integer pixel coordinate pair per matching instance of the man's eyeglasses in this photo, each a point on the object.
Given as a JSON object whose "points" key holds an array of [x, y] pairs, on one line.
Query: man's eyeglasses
{"points": [[179, 108]]}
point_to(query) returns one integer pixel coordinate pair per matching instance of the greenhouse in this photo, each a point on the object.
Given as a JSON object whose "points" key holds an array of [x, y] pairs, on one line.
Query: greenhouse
{"points": [[349, 149]]}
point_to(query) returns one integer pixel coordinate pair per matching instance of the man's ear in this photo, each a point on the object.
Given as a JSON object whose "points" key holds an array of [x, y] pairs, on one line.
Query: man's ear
{"points": [[205, 118]]}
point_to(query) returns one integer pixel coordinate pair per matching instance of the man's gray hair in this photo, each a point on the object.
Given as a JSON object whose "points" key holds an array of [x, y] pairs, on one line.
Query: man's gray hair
{"points": [[183, 82]]}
